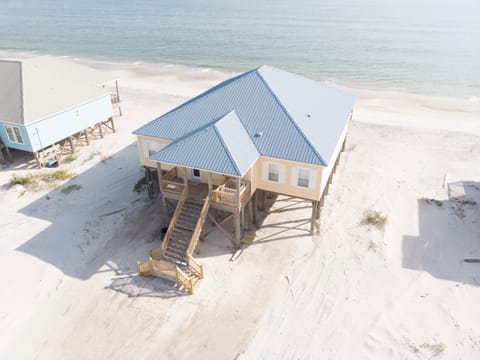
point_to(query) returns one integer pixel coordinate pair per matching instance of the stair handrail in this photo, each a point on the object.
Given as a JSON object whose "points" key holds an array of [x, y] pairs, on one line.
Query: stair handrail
{"points": [[173, 221], [199, 226], [183, 279], [195, 266]]}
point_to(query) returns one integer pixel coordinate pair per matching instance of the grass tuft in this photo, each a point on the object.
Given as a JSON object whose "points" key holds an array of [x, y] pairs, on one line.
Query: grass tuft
{"points": [[70, 158], [58, 175], [140, 185], [41, 180], [27, 180], [376, 218]]}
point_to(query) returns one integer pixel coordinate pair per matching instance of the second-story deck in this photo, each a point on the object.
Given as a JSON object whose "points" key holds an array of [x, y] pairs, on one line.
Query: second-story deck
{"points": [[224, 197]]}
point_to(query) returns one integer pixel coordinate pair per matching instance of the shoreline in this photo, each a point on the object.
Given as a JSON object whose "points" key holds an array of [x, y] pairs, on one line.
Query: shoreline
{"points": [[198, 70]]}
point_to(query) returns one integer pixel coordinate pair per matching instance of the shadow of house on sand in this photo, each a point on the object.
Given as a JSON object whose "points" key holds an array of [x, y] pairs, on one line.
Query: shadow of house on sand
{"points": [[215, 242], [102, 227], [449, 233], [105, 227]]}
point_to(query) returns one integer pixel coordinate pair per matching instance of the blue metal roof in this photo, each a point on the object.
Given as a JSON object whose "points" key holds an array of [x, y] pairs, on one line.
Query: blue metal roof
{"points": [[222, 146], [298, 119]]}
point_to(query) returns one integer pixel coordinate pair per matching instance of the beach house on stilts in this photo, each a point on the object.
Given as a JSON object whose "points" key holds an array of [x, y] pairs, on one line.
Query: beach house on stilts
{"points": [[265, 130], [45, 112]]}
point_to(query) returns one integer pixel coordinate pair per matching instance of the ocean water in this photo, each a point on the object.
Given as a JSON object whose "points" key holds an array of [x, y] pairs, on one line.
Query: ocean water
{"points": [[421, 46]]}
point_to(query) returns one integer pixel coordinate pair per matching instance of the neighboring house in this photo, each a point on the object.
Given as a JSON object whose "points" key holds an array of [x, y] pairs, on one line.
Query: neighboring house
{"points": [[41, 106], [266, 129]]}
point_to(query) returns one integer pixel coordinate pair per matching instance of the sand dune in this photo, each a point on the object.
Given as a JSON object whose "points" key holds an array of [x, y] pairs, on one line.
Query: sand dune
{"points": [[353, 291]]}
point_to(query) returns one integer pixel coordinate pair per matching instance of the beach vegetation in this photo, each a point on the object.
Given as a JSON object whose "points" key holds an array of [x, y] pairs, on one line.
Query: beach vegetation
{"points": [[140, 185], [26, 181], [70, 158], [41, 180], [58, 175], [376, 218]]}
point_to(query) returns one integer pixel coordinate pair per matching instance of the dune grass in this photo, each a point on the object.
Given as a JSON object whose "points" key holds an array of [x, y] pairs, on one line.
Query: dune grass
{"points": [[140, 185], [41, 180], [376, 218]]}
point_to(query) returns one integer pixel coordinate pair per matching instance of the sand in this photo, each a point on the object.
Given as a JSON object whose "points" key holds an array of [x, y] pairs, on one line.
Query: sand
{"points": [[353, 291]]}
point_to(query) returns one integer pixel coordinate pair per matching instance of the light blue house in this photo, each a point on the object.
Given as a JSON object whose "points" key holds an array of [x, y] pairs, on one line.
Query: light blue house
{"points": [[40, 107]]}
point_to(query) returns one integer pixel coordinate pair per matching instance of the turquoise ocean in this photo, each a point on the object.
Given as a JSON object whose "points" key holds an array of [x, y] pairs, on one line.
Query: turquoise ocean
{"points": [[423, 46]]}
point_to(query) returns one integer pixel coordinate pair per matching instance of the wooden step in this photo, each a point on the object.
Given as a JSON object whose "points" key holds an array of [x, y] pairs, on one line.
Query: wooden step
{"points": [[179, 252], [192, 273], [185, 226], [181, 236], [188, 214], [175, 260], [178, 246], [194, 204]]}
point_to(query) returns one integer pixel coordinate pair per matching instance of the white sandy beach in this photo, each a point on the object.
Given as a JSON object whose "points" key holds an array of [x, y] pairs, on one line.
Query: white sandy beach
{"points": [[353, 291]]}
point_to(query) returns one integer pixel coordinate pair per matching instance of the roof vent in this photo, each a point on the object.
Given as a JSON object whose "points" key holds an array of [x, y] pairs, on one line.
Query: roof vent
{"points": [[259, 134], [309, 115]]}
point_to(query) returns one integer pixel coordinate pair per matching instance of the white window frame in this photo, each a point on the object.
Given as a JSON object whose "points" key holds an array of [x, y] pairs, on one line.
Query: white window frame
{"points": [[14, 135], [297, 176], [267, 166], [303, 178], [273, 172]]}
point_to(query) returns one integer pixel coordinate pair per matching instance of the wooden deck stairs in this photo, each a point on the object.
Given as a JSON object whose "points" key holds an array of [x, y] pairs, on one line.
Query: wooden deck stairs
{"points": [[173, 260]]}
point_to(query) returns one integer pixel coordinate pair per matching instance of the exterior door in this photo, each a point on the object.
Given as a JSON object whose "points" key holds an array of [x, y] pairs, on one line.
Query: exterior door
{"points": [[196, 175]]}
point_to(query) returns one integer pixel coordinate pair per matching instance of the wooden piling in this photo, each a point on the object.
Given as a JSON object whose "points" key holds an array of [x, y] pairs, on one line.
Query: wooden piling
{"points": [[87, 139], [112, 124], [72, 146], [254, 208], [312, 221]]}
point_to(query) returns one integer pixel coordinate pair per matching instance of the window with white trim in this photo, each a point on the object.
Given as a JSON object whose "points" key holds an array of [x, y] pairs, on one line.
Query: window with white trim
{"points": [[303, 178], [14, 134], [273, 172]]}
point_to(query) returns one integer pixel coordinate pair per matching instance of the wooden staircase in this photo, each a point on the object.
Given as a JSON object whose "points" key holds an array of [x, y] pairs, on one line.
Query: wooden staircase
{"points": [[173, 259]]}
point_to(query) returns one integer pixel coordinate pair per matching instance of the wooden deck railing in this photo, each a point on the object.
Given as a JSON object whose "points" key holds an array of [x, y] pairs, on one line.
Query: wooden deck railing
{"points": [[171, 183], [227, 193], [173, 222], [156, 253], [164, 269], [195, 266], [144, 268], [199, 226], [184, 280], [115, 98]]}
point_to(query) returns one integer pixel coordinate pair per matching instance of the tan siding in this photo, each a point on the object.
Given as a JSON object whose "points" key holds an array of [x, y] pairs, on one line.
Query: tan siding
{"points": [[255, 173], [142, 150], [287, 187]]}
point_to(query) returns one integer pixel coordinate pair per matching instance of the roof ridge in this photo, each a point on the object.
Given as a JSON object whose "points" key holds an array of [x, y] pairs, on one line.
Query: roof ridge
{"points": [[195, 131], [272, 93], [209, 91], [188, 135], [225, 146], [200, 96]]}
